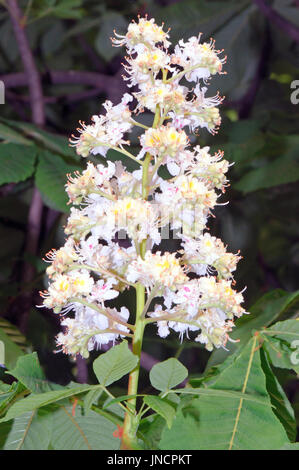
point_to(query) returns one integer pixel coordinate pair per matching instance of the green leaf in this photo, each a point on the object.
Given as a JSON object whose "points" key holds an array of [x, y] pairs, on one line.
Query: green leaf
{"points": [[162, 407], [30, 374], [281, 341], [16, 390], [279, 400], [209, 392], [110, 21], [290, 446], [264, 312], [79, 432], [57, 144], [42, 399], [10, 135], [17, 162], [114, 364], [283, 170], [229, 423], [119, 399], [4, 388], [11, 350], [13, 332], [151, 428], [30, 431], [168, 374], [68, 9], [91, 397], [280, 353], [287, 330], [52, 38], [194, 16], [51, 179]]}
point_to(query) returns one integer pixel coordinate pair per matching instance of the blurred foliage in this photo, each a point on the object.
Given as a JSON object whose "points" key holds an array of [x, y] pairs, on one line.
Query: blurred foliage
{"points": [[258, 134]]}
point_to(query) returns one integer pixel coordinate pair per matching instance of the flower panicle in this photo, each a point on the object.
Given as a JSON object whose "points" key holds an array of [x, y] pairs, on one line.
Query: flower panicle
{"points": [[117, 217]]}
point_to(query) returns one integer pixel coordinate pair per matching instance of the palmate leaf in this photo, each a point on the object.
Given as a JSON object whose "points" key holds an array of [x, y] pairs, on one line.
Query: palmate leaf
{"points": [[74, 431], [210, 392], [151, 428], [4, 388], [10, 135], [265, 311], [58, 427], [110, 20], [230, 423], [194, 16], [91, 397], [12, 393], [29, 372], [13, 343], [30, 431], [44, 139], [281, 354], [17, 162], [51, 178], [68, 9], [13, 333], [52, 142], [287, 330], [162, 407], [282, 407], [33, 401], [290, 446], [282, 171], [281, 342], [167, 374], [114, 364]]}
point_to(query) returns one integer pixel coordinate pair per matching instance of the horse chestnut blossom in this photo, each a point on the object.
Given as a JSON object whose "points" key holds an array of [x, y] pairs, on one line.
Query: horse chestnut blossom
{"points": [[95, 266]]}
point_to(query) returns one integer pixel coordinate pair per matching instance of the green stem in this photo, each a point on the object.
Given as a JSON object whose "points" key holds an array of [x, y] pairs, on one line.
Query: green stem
{"points": [[100, 270], [139, 124], [170, 318], [105, 195], [102, 311], [113, 397], [181, 74], [125, 152], [132, 420]]}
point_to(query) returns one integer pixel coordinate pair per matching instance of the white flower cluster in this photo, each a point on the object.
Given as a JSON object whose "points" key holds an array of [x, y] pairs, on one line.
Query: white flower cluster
{"points": [[94, 266], [106, 131]]}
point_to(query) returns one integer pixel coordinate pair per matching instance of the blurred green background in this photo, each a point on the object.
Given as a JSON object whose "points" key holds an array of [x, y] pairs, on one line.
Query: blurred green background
{"points": [[79, 69]]}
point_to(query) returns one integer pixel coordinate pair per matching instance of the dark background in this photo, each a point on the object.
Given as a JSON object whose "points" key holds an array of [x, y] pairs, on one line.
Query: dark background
{"points": [[63, 74]]}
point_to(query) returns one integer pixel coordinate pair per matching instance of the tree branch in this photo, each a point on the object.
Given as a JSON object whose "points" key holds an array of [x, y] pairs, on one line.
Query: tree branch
{"points": [[38, 118], [111, 85], [289, 28], [247, 101], [63, 98], [33, 79]]}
